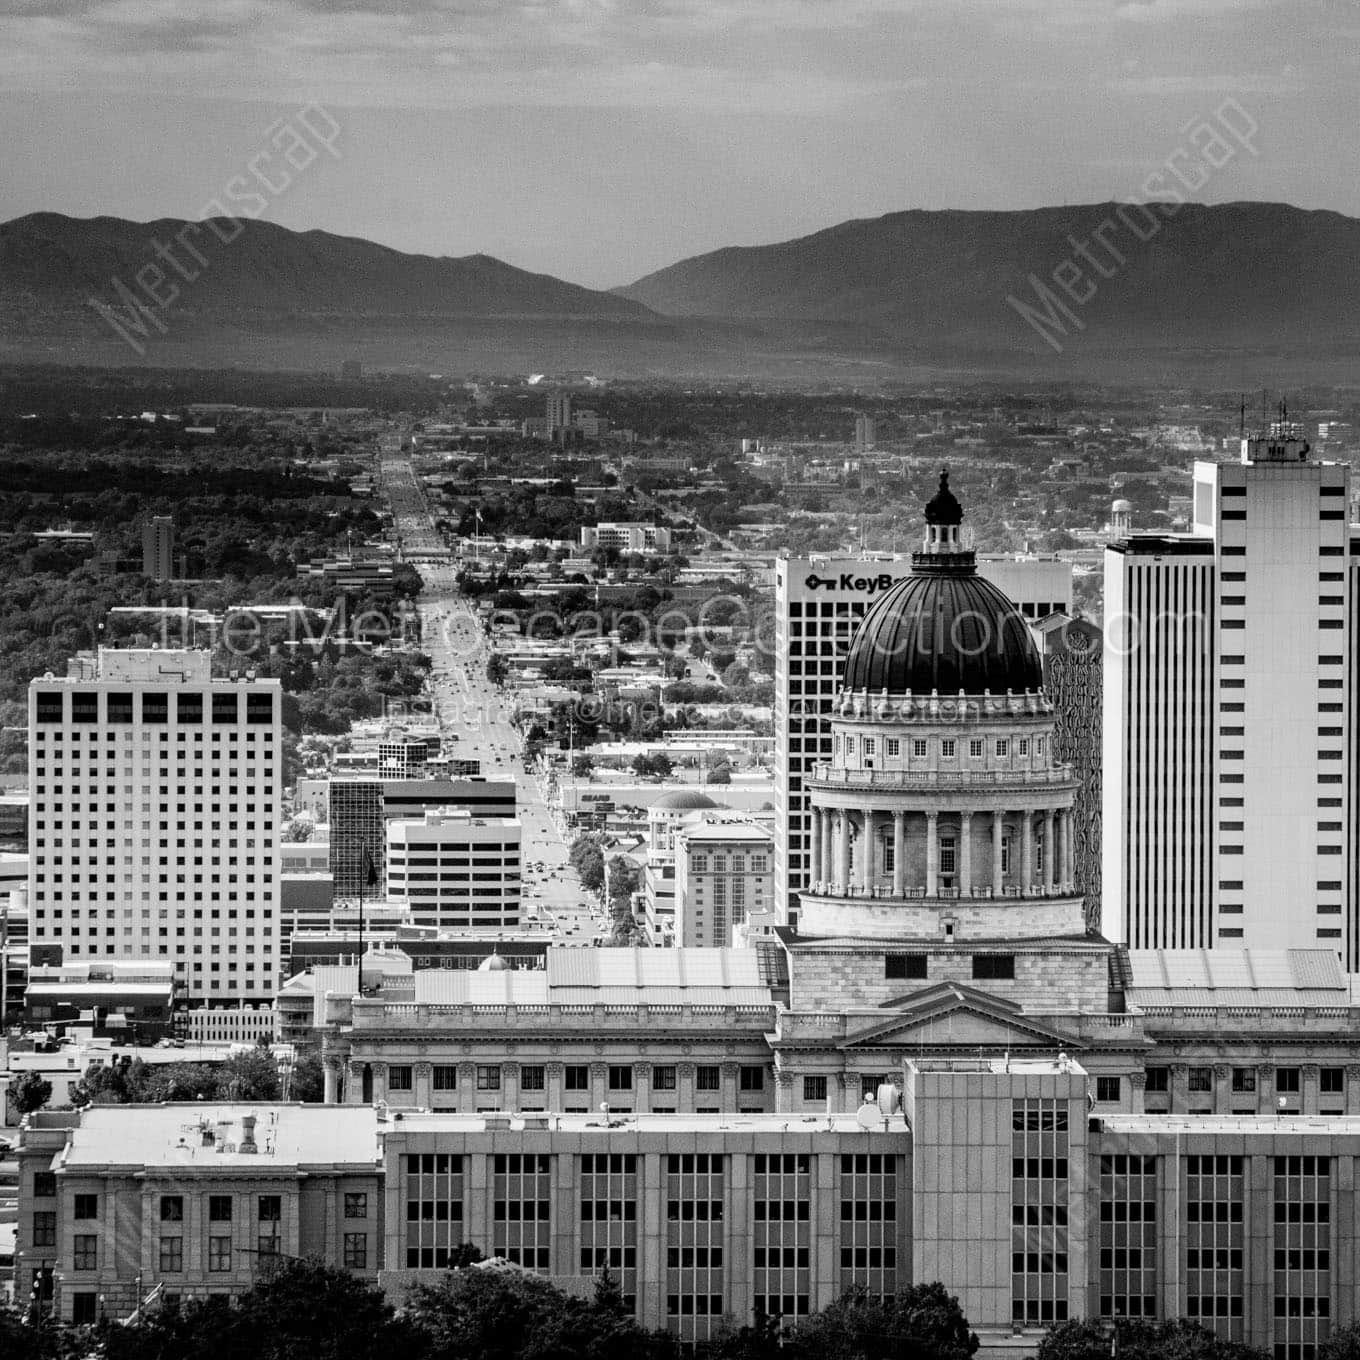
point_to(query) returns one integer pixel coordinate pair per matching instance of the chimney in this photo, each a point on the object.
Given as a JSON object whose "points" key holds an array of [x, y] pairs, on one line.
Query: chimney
{"points": [[248, 1134]]}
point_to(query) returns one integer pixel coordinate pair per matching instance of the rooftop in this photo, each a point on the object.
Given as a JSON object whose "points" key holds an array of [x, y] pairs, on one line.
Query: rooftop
{"points": [[176, 1136], [1237, 977]]}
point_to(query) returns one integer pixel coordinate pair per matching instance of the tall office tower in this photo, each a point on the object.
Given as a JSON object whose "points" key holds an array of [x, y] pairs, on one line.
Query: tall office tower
{"points": [[1230, 703], [1073, 666], [558, 412], [865, 431], [818, 602], [158, 548], [155, 802], [361, 807]]}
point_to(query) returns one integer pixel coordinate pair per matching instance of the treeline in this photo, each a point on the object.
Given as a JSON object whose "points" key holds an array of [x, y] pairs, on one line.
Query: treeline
{"points": [[305, 1310]]}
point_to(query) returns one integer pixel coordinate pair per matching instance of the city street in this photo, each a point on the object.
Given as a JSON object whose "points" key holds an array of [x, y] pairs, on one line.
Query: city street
{"points": [[475, 717]]}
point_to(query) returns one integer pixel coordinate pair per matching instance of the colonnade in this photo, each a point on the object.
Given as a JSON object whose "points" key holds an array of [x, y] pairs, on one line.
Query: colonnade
{"points": [[837, 868]]}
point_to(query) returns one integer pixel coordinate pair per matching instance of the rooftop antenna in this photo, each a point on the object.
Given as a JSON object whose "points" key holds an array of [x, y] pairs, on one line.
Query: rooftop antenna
{"points": [[1242, 416]]}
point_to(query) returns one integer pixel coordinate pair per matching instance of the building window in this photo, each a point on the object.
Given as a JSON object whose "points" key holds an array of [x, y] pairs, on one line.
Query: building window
{"points": [[219, 1254], [993, 967], [904, 966], [1244, 1079], [620, 1077], [532, 1078], [869, 746], [948, 850], [85, 1251], [271, 1208], [44, 1184], [1332, 1081], [84, 1309], [219, 1208], [893, 746], [356, 1251], [356, 1204], [1287, 1081], [1200, 1079], [1005, 854], [45, 1229], [975, 747], [948, 747], [814, 1088], [752, 1078], [85, 1206], [1003, 747], [918, 748], [399, 1077], [445, 1077], [707, 1079], [1107, 1090], [663, 1079], [576, 1077], [488, 1077], [172, 1254], [1158, 1080]]}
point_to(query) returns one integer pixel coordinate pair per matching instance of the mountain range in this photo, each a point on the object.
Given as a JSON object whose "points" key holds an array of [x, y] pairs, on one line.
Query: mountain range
{"points": [[1238, 290]]}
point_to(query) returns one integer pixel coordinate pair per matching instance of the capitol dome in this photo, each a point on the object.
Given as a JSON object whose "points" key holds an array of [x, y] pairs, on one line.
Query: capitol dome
{"points": [[683, 800], [944, 629]]}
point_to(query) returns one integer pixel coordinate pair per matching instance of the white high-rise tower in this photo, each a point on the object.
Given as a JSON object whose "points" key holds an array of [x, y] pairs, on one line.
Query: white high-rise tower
{"points": [[1230, 707], [154, 793]]}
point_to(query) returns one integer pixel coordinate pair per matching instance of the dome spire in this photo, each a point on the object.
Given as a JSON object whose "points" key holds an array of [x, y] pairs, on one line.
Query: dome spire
{"points": [[942, 549], [943, 507]]}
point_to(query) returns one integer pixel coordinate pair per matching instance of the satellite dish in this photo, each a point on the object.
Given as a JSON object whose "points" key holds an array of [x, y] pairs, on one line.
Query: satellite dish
{"points": [[889, 1098], [868, 1116]]}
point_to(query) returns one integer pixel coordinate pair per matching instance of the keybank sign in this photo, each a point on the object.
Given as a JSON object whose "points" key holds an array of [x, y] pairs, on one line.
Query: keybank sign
{"points": [[865, 585]]}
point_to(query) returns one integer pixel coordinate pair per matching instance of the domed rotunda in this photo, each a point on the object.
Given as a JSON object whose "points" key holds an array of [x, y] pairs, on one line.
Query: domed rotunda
{"points": [[942, 814]]}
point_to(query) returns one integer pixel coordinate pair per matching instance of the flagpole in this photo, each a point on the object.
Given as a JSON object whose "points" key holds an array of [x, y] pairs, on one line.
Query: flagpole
{"points": [[362, 876]]}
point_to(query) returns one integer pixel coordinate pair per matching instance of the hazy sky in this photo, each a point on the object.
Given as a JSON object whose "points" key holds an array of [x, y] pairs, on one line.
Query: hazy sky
{"points": [[600, 139]]}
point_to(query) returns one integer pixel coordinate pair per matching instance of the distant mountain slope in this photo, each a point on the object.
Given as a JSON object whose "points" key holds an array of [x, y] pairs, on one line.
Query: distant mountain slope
{"points": [[1257, 275], [245, 266]]}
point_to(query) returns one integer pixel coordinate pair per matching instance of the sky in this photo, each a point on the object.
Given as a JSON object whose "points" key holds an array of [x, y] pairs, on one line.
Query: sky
{"points": [[598, 140]]}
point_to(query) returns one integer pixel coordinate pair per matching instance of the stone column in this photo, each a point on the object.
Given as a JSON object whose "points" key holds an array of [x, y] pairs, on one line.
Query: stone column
{"points": [[509, 1087], [730, 1074], [998, 826], [1308, 1096], [783, 1092], [467, 1086], [932, 853], [828, 865], [552, 1079], [1049, 851], [1138, 1085], [965, 854], [843, 871], [1069, 875], [899, 853], [814, 873], [354, 1083], [423, 1085], [1026, 851], [642, 1083], [866, 857], [331, 1069], [1353, 1089], [684, 1083], [379, 1071]]}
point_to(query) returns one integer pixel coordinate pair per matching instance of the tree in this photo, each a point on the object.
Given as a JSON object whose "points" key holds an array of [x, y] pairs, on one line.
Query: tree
{"points": [[29, 1092], [659, 766], [1141, 1339], [583, 767], [302, 1310], [720, 774], [299, 829], [924, 1321], [1342, 1344], [249, 1076], [587, 859], [508, 1314], [307, 1080], [497, 669]]}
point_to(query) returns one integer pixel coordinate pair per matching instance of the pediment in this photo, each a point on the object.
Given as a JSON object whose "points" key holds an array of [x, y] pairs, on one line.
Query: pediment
{"points": [[956, 1017]]}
